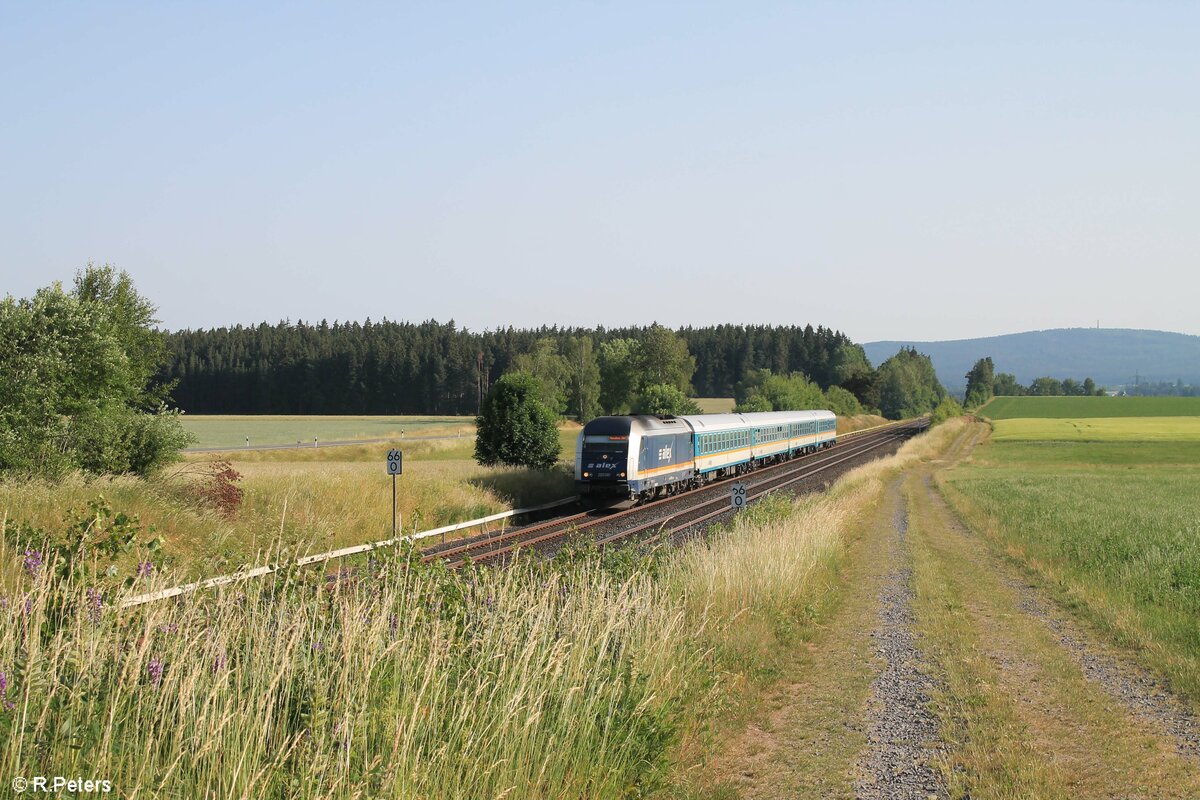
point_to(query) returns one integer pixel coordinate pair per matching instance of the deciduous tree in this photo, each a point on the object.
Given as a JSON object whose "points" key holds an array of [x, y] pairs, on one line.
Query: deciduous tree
{"points": [[76, 381], [514, 427], [664, 399], [1006, 385], [583, 377], [663, 358], [980, 382]]}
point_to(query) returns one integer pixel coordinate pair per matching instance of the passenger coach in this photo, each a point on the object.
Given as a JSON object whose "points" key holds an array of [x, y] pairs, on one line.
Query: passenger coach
{"points": [[641, 457]]}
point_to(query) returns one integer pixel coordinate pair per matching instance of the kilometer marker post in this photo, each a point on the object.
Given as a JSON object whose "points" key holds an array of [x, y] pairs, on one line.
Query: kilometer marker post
{"points": [[737, 496], [395, 466]]}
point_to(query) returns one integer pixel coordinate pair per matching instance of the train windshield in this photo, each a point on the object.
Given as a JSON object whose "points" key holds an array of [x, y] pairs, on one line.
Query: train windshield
{"points": [[604, 447]]}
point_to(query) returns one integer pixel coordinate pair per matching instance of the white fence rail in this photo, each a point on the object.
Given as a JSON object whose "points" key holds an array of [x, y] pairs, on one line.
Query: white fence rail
{"points": [[257, 572]]}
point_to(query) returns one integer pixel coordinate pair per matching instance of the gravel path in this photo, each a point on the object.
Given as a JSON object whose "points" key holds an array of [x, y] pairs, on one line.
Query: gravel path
{"points": [[1135, 688], [903, 732]]}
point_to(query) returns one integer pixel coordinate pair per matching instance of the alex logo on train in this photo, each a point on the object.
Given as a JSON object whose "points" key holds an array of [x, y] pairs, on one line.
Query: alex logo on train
{"points": [[602, 465]]}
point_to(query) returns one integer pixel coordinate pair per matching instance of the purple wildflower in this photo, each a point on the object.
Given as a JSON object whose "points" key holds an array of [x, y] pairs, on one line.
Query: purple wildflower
{"points": [[145, 569], [154, 671], [342, 743], [95, 602], [219, 663], [5, 703], [317, 646], [33, 562], [169, 628], [393, 624]]}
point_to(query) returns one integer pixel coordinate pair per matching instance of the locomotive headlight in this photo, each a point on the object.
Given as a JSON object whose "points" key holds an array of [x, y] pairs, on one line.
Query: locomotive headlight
{"points": [[622, 474], [586, 474]]}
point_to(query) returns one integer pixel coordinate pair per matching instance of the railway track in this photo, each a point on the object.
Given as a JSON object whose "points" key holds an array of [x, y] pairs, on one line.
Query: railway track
{"points": [[671, 516]]}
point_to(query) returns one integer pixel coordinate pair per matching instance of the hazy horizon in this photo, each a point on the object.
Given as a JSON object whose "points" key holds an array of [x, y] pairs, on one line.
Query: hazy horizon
{"points": [[923, 173]]}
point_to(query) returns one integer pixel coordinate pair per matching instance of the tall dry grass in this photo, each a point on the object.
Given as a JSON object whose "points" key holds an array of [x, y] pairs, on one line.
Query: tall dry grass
{"points": [[401, 683], [304, 506]]}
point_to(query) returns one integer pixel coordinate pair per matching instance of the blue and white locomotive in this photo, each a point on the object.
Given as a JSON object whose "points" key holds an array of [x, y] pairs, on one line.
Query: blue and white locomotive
{"points": [[642, 457]]}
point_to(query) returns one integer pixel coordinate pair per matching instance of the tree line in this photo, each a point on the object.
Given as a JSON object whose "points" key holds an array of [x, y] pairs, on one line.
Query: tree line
{"points": [[86, 376], [983, 382], [430, 367]]}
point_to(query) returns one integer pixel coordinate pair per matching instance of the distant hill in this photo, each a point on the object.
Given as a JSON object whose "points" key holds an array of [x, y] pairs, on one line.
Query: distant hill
{"points": [[1110, 356]]}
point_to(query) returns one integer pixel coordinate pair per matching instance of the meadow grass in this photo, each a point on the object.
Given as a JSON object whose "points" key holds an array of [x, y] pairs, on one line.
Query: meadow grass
{"points": [[306, 500], [1102, 429], [403, 682], [219, 430], [1089, 407], [1115, 526]]}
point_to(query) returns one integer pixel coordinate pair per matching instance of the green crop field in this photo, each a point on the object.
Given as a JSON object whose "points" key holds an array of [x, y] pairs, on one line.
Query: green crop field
{"points": [[231, 431], [1090, 407], [1114, 523], [1099, 429]]}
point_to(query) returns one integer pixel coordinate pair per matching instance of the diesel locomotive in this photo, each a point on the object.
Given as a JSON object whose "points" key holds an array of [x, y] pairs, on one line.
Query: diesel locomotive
{"points": [[641, 457]]}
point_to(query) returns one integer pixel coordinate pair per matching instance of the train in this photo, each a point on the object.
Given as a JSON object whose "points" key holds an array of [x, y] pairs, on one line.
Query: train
{"points": [[633, 459]]}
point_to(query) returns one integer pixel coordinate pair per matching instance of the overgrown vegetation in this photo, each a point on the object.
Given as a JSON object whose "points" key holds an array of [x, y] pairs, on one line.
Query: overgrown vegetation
{"points": [[76, 381], [399, 681]]}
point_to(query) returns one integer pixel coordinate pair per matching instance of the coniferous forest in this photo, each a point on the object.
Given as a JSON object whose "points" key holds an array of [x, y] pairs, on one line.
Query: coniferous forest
{"points": [[438, 368]]}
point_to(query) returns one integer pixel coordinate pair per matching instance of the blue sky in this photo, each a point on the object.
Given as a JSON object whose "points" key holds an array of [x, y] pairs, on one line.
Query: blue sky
{"points": [[908, 171]]}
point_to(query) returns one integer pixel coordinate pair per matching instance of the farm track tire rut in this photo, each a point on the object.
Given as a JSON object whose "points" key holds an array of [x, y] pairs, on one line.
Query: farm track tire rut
{"points": [[1131, 685]]}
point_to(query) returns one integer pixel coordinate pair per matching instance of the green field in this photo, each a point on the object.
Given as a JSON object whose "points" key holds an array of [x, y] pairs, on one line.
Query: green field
{"points": [[232, 431], [1115, 524], [1090, 407], [715, 405], [1099, 429]]}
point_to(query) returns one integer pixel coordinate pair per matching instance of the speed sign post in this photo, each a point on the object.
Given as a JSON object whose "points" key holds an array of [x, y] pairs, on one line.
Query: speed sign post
{"points": [[737, 496], [395, 467]]}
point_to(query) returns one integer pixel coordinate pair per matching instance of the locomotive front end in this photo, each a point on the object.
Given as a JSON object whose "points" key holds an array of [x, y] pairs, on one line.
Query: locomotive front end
{"points": [[602, 459]]}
